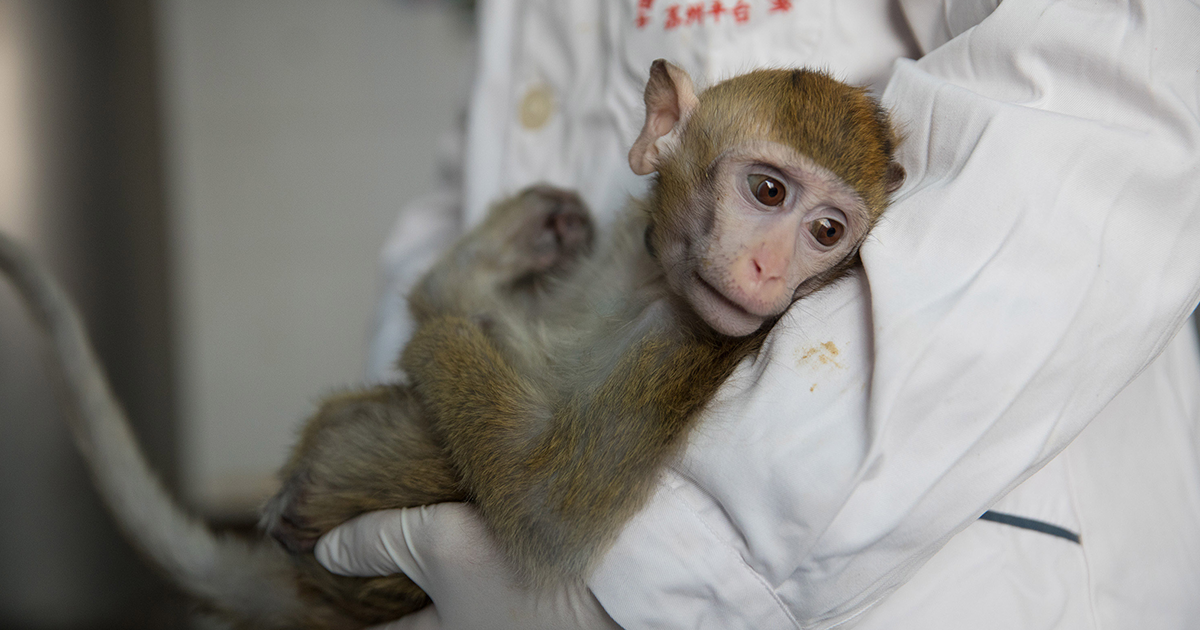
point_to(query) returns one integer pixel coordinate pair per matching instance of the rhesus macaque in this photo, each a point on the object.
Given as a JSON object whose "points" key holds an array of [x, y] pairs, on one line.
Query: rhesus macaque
{"points": [[550, 379]]}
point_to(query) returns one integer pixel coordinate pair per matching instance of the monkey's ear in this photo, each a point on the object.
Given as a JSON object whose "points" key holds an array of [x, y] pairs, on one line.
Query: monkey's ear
{"points": [[670, 99], [894, 178]]}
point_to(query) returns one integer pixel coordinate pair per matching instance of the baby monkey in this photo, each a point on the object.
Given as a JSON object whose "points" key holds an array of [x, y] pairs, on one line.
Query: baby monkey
{"points": [[551, 376]]}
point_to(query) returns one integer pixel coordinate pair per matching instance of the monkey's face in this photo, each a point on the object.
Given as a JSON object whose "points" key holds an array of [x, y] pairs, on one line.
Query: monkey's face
{"points": [[766, 185], [766, 221]]}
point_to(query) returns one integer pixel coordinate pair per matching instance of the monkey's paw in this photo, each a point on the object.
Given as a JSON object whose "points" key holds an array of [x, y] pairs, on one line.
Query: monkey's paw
{"points": [[284, 520], [542, 231]]}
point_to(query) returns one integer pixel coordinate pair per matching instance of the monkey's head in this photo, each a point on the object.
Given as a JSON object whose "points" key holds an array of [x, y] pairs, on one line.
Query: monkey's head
{"points": [[765, 187]]}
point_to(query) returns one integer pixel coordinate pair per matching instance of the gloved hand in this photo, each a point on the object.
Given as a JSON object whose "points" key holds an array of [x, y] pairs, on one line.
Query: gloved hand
{"points": [[447, 550]]}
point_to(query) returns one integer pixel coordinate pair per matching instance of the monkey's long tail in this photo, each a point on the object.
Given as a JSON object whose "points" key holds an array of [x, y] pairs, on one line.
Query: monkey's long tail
{"points": [[250, 583]]}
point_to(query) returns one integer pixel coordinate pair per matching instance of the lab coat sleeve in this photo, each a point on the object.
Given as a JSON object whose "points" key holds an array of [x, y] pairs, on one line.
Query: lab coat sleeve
{"points": [[1043, 252]]}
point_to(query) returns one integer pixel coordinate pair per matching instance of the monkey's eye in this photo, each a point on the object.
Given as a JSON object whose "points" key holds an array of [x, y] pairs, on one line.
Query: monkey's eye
{"points": [[767, 190], [827, 231]]}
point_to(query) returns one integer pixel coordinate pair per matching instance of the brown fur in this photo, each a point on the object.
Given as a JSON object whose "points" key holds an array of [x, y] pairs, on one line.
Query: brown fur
{"points": [[839, 126], [555, 496], [550, 383]]}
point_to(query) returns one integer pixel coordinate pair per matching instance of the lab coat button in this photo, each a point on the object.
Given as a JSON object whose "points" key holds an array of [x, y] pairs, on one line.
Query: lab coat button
{"points": [[536, 107]]}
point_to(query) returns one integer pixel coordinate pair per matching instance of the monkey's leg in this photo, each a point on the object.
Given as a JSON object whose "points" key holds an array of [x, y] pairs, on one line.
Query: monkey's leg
{"points": [[555, 477], [372, 449], [362, 451]]}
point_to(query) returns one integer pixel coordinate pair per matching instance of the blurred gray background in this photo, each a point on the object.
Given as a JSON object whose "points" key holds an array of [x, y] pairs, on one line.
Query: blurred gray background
{"points": [[213, 180]]}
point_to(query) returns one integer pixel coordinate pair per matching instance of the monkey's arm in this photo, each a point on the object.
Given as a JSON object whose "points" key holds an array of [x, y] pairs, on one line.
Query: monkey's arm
{"points": [[555, 477]]}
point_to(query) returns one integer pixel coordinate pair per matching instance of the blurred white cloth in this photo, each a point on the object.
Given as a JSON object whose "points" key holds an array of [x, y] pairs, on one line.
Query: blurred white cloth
{"points": [[1045, 249]]}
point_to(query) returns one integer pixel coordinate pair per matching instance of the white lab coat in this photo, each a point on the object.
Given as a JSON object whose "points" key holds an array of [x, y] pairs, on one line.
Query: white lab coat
{"points": [[1044, 250]]}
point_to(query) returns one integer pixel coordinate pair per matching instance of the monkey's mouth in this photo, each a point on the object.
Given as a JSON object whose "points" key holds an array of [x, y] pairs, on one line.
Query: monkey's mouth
{"points": [[715, 294], [719, 311]]}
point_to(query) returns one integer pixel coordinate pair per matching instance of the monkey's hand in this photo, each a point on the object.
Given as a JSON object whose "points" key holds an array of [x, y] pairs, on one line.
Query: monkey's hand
{"points": [[506, 264], [447, 550]]}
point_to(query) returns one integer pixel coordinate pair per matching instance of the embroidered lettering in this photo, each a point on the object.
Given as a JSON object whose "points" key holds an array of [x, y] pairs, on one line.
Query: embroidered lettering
{"points": [[673, 17], [717, 10], [741, 12]]}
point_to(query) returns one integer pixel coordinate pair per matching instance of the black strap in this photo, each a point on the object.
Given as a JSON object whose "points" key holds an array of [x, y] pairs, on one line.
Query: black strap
{"points": [[1028, 523]]}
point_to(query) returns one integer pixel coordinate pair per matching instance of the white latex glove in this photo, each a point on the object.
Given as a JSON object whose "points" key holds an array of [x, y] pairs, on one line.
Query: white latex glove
{"points": [[447, 550]]}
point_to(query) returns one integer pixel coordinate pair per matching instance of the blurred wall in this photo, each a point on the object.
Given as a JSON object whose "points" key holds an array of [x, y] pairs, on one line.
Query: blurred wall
{"points": [[80, 181], [213, 180], [296, 130]]}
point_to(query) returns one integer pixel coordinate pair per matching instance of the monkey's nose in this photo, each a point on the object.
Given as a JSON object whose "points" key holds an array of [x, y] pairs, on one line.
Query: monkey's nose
{"points": [[765, 269], [760, 281]]}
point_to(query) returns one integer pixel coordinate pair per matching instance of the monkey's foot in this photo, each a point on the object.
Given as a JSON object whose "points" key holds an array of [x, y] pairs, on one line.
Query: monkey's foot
{"points": [[283, 518], [542, 232], [558, 229]]}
